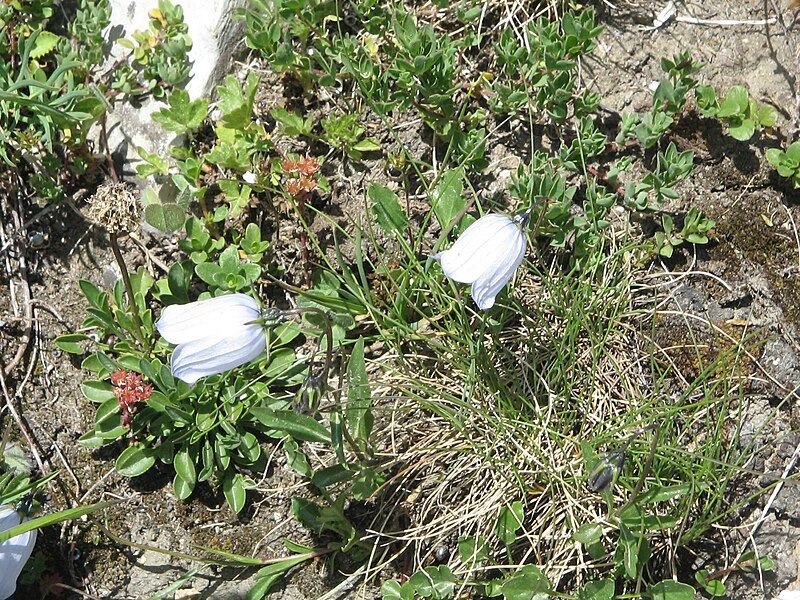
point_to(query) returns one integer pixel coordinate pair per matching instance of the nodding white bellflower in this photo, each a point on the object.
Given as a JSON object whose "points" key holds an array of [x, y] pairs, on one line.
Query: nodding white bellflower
{"points": [[14, 553], [213, 335], [486, 255]]}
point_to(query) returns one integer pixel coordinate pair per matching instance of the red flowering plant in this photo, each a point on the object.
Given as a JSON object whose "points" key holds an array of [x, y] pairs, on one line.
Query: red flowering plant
{"points": [[130, 389], [300, 179], [301, 176]]}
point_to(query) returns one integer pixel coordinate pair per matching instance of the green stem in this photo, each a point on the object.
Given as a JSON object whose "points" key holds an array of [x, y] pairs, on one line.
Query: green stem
{"points": [[324, 377], [645, 471], [328, 330], [126, 280]]}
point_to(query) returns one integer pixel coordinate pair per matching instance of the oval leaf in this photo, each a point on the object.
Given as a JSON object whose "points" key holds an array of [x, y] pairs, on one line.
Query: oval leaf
{"points": [[134, 461]]}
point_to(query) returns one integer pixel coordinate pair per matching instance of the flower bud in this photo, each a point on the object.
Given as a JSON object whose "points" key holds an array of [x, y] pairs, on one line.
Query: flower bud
{"points": [[213, 335], [309, 395], [606, 470], [486, 256], [14, 552]]}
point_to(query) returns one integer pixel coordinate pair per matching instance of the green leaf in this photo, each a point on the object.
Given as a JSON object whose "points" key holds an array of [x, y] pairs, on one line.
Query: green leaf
{"points": [[473, 551], [629, 547], [359, 396], [331, 475], [135, 460], [93, 294], [793, 154], [182, 488], [262, 586], [664, 493], [52, 519], [98, 391], [743, 131], [588, 533], [766, 115], [367, 483], [671, 590], [267, 576], [392, 590], [437, 583], [234, 489], [182, 115], [237, 196], [774, 156], [153, 164], [706, 100], [765, 563], [509, 521], [386, 209], [597, 590], [165, 217], [296, 458], [69, 343], [293, 124], [45, 43], [300, 427], [715, 588], [179, 278], [367, 145], [184, 466], [528, 583], [447, 199], [308, 513], [736, 102]]}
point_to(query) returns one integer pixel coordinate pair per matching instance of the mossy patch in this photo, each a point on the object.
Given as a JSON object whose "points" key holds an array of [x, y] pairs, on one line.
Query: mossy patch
{"points": [[753, 233]]}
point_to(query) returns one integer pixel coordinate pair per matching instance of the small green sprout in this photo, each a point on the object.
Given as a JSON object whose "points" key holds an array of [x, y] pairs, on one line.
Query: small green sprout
{"points": [[740, 113], [787, 162]]}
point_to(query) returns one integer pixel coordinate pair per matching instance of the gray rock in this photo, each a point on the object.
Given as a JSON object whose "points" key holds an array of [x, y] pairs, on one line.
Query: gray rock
{"points": [[783, 363]]}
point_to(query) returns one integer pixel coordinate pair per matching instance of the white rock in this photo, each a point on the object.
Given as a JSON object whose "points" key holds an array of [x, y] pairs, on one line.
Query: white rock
{"points": [[215, 35], [665, 15], [789, 595], [214, 31]]}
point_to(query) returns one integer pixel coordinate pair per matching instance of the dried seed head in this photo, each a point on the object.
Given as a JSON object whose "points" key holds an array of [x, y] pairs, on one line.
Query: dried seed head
{"points": [[114, 207]]}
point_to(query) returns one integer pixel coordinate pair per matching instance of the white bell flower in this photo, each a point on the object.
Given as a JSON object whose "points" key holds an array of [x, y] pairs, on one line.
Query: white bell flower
{"points": [[486, 255], [14, 553], [213, 335]]}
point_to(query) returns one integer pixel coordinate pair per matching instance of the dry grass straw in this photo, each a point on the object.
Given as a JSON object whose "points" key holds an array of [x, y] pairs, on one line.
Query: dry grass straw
{"points": [[472, 435], [476, 424]]}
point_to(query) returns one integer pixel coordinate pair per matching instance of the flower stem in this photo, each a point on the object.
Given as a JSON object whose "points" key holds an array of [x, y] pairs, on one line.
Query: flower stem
{"points": [[328, 330], [648, 464], [126, 280]]}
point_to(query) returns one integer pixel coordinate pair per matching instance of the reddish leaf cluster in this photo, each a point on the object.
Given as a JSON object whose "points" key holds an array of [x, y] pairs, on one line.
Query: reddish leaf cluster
{"points": [[302, 173], [129, 389]]}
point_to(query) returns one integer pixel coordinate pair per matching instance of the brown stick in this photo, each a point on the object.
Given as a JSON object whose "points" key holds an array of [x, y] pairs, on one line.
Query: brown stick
{"points": [[112, 170], [26, 297]]}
